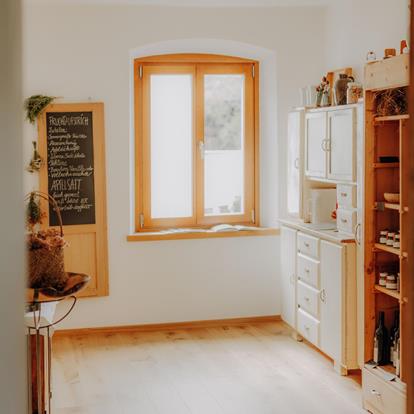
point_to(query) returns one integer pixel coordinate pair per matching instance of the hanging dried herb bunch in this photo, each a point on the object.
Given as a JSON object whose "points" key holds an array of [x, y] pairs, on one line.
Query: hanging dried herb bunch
{"points": [[36, 161], [34, 106], [34, 213], [391, 102]]}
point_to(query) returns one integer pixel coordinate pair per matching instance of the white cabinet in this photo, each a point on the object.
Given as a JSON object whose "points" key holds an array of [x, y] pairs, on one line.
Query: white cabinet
{"points": [[319, 293], [341, 145], [332, 260], [316, 141], [288, 276], [296, 137], [330, 139]]}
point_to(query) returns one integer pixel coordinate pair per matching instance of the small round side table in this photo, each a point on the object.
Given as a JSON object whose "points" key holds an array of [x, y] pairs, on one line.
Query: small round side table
{"points": [[37, 301]]}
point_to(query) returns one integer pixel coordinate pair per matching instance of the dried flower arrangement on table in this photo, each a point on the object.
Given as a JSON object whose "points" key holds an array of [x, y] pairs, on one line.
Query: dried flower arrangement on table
{"points": [[45, 247]]}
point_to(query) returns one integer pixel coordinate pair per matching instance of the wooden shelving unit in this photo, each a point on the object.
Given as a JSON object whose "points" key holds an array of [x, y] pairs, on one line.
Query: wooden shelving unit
{"points": [[385, 136]]}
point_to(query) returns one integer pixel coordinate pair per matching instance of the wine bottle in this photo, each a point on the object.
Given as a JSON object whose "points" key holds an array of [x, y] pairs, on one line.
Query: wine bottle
{"points": [[392, 335], [396, 348], [381, 348], [397, 356]]}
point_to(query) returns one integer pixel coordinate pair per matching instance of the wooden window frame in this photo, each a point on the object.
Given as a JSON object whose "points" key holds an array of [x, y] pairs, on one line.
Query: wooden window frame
{"points": [[198, 65]]}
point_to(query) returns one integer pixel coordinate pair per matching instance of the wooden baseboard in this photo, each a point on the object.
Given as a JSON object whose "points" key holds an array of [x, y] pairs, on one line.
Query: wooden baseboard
{"points": [[169, 326]]}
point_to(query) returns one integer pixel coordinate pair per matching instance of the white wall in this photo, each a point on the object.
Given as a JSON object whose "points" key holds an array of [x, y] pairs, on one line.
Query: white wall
{"points": [[355, 27], [12, 275], [78, 51]]}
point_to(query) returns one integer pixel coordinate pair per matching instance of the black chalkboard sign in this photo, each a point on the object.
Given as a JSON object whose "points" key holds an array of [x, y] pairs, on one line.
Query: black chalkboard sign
{"points": [[70, 166]]}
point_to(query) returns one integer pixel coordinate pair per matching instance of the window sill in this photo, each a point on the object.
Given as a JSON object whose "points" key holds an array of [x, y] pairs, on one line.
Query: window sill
{"points": [[206, 234]]}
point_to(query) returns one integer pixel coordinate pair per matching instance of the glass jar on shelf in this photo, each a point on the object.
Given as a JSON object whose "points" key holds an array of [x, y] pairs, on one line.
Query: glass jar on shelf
{"points": [[390, 238], [391, 282], [383, 236], [382, 281]]}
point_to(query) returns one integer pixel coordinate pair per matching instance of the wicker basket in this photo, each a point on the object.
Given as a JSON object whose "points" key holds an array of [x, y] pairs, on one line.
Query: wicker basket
{"points": [[46, 265]]}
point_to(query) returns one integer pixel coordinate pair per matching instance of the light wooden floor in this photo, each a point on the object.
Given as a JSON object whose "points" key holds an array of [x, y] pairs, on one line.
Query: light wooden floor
{"points": [[253, 369]]}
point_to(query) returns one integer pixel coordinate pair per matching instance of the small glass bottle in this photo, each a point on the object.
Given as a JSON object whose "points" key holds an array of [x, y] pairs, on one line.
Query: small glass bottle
{"points": [[353, 92]]}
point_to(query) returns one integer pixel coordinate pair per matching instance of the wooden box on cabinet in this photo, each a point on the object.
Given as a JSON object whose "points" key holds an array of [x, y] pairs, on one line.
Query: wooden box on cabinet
{"points": [[388, 73]]}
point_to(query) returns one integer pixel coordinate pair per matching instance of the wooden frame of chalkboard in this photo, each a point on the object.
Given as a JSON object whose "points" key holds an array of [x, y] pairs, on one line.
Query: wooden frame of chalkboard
{"points": [[72, 144]]}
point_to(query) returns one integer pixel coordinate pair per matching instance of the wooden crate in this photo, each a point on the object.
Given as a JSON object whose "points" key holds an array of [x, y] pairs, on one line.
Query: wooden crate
{"points": [[388, 73]]}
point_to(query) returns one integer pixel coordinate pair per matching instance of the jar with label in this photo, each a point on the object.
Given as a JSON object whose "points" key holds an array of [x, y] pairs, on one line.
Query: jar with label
{"points": [[391, 282], [353, 92], [390, 238], [396, 243], [383, 236], [383, 279]]}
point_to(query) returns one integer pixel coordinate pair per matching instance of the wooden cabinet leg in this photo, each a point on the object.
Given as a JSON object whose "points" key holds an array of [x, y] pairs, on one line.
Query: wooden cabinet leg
{"points": [[340, 369]]}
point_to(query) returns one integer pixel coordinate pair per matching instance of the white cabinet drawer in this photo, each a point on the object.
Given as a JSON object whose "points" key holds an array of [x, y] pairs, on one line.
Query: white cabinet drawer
{"points": [[308, 327], [380, 397], [308, 299], [346, 220], [346, 196], [308, 245], [308, 270]]}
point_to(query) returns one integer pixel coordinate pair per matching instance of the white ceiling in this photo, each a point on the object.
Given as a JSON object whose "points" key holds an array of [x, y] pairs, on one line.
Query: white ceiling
{"points": [[200, 3]]}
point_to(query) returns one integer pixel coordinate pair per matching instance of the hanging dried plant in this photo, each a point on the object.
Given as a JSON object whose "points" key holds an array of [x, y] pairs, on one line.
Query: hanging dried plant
{"points": [[36, 161], [391, 102], [34, 213], [34, 106]]}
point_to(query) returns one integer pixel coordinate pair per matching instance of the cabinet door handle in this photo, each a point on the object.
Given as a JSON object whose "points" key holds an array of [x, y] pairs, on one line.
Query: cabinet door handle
{"points": [[344, 220], [296, 163], [375, 392], [322, 295], [344, 194], [323, 145], [357, 235], [306, 244]]}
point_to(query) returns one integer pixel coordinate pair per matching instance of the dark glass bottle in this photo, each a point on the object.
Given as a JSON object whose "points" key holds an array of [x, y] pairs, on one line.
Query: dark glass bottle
{"points": [[381, 348], [396, 355], [394, 329]]}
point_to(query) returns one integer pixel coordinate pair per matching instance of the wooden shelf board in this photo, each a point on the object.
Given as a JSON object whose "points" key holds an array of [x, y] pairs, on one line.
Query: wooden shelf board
{"points": [[388, 368], [389, 292], [388, 249], [386, 165], [389, 206], [391, 118]]}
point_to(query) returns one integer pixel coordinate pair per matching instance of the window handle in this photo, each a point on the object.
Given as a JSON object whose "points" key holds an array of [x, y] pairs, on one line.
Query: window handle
{"points": [[201, 149]]}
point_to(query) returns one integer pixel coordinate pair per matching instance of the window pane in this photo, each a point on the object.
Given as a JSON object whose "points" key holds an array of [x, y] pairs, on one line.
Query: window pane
{"points": [[224, 144], [171, 146]]}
